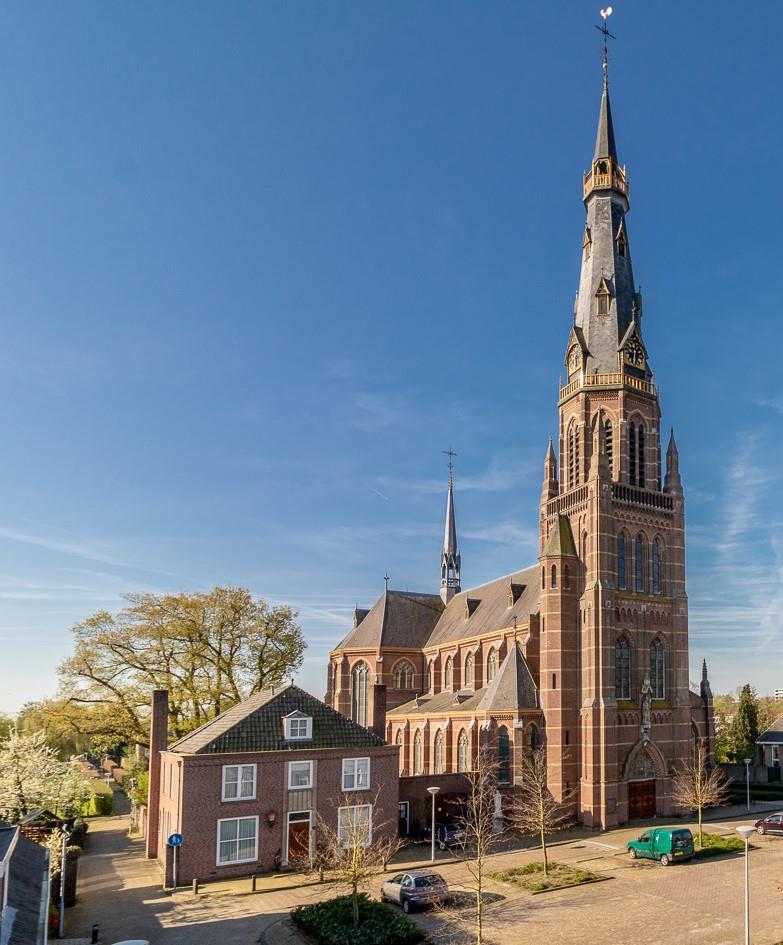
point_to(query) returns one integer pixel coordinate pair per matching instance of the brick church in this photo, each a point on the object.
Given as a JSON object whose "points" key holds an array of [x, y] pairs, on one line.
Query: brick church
{"points": [[584, 652]]}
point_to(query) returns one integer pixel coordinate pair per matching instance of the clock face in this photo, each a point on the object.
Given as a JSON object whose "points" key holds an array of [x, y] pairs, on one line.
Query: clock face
{"points": [[634, 354], [574, 358]]}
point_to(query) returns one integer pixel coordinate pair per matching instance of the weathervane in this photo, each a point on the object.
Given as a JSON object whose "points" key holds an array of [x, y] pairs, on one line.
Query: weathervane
{"points": [[386, 580], [603, 30], [451, 454]]}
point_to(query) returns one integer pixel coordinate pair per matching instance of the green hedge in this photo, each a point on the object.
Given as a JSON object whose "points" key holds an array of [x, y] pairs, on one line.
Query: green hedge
{"points": [[331, 923], [100, 804], [714, 845]]}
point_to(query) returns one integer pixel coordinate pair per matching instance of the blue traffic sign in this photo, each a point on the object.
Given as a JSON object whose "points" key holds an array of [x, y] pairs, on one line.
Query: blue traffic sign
{"points": [[175, 840]]}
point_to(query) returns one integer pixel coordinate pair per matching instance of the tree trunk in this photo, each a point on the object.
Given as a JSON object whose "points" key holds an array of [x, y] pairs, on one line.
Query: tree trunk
{"points": [[355, 904], [701, 837], [543, 851]]}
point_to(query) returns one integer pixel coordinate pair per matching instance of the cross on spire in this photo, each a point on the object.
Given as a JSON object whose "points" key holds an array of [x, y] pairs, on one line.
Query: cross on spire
{"points": [[604, 31], [451, 454], [386, 580]]}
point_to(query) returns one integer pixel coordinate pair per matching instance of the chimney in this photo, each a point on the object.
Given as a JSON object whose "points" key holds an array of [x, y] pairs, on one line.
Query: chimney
{"points": [[159, 738]]}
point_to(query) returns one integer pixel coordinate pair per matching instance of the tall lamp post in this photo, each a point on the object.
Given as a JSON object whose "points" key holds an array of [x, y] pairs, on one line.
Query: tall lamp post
{"points": [[433, 791], [745, 833], [747, 779]]}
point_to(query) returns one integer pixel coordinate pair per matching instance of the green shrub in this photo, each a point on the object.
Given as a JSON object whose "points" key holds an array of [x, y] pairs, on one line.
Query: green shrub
{"points": [[531, 876], [331, 923], [714, 844]]}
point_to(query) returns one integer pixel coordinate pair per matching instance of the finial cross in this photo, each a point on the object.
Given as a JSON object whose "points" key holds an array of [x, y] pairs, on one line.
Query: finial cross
{"points": [[386, 580], [604, 31], [451, 454]]}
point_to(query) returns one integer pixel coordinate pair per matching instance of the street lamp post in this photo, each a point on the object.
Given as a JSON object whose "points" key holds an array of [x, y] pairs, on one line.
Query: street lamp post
{"points": [[433, 791], [747, 780], [745, 833]]}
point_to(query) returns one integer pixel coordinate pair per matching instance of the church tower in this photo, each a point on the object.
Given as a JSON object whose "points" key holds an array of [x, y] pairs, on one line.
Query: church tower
{"points": [[450, 580], [619, 713]]}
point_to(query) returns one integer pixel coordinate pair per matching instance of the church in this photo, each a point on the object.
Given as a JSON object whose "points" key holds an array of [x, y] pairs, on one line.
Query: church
{"points": [[584, 653]]}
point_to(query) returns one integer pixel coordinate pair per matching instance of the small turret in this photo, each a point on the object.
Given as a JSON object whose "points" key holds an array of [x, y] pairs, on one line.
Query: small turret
{"points": [[705, 689], [673, 482], [550, 487]]}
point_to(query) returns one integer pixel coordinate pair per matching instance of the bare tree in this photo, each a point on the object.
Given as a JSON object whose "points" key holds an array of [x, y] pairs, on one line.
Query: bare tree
{"points": [[535, 811], [478, 819], [356, 847], [389, 845], [697, 785]]}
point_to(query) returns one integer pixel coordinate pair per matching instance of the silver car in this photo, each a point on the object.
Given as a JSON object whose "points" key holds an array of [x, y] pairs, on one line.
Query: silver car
{"points": [[415, 889]]}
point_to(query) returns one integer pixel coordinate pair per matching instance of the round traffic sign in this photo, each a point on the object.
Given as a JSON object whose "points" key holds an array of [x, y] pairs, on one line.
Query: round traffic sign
{"points": [[175, 840]]}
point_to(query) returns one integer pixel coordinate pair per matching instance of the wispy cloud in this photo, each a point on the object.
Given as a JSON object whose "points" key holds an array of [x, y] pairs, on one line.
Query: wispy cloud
{"points": [[501, 475], [508, 532], [85, 548], [775, 404], [376, 412]]}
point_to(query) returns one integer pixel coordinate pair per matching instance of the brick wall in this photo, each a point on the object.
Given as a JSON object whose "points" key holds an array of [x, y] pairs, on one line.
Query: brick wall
{"points": [[194, 803]]}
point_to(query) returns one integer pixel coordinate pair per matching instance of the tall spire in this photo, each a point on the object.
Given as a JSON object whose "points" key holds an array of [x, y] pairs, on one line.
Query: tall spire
{"points": [[605, 146], [673, 481], [450, 580]]}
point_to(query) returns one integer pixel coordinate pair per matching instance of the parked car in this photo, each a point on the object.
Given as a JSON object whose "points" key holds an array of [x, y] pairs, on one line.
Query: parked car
{"points": [[446, 835], [662, 844], [772, 823], [415, 889]]}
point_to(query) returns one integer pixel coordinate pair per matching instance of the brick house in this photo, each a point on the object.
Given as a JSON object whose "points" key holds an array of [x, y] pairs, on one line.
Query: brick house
{"points": [[248, 790]]}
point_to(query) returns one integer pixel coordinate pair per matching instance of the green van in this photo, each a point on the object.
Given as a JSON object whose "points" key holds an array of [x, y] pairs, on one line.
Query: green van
{"points": [[664, 844]]}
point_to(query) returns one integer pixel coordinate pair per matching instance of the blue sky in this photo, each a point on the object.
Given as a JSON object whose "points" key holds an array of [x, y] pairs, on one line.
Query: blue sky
{"points": [[261, 263]]}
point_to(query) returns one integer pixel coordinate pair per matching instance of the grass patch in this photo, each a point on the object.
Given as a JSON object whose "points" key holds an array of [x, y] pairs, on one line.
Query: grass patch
{"points": [[531, 877], [331, 923], [714, 845]]}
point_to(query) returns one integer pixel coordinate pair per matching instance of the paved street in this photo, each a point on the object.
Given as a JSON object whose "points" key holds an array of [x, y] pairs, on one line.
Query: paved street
{"points": [[642, 903]]}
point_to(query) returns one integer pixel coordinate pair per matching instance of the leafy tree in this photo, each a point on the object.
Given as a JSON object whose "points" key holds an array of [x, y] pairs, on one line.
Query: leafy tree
{"points": [[31, 775], [535, 811], [6, 724], [744, 728], [209, 649], [696, 785]]}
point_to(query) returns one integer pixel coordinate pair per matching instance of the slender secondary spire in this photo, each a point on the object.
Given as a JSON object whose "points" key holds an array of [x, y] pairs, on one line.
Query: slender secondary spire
{"points": [[605, 146], [450, 580]]}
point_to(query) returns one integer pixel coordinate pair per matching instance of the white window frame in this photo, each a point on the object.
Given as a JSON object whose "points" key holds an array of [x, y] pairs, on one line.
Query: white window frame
{"points": [[240, 781], [357, 785], [252, 859], [355, 807], [300, 787], [290, 737]]}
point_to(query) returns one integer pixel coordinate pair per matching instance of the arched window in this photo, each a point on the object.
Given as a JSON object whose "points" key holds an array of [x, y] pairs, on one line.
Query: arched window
{"points": [[657, 668], [622, 669], [640, 444], [609, 442], [492, 665], [554, 576], [533, 737], [469, 670], [656, 567], [566, 577], [622, 580], [439, 763], [632, 453], [448, 674], [573, 457], [543, 579], [639, 563], [403, 675], [462, 751], [360, 675], [430, 676], [504, 755], [398, 743], [418, 755]]}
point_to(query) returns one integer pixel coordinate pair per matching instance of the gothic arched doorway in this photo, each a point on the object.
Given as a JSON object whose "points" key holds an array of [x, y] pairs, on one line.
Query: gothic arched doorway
{"points": [[641, 772]]}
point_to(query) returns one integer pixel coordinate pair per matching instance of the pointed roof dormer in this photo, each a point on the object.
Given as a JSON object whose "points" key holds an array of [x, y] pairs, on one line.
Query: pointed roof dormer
{"points": [[450, 560]]}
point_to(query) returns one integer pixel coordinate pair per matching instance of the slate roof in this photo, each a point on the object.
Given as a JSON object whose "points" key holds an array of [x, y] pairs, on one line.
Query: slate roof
{"points": [[256, 725], [6, 836], [512, 689], [26, 878], [398, 618], [773, 735], [513, 686], [561, 540], [492, 612]]}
